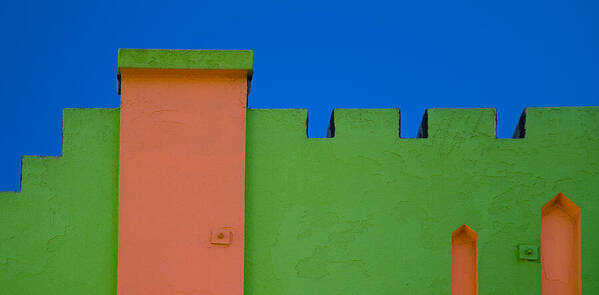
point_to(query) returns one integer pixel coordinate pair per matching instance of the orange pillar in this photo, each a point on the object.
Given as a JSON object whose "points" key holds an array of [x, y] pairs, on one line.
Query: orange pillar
{"points": [[182, 171], [560, 247], [464, 256]]}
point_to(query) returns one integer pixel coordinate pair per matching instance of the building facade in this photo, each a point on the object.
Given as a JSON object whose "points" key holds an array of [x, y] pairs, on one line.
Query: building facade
{"points": [[184, 190]]}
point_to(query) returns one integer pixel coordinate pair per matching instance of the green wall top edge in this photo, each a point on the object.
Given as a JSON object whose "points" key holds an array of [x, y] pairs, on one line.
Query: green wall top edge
{"points": [[185, 59]]}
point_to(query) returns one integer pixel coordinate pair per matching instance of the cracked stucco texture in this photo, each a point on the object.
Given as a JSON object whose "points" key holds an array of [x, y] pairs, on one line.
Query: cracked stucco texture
{"points": [[367, 212], [58, 235]]}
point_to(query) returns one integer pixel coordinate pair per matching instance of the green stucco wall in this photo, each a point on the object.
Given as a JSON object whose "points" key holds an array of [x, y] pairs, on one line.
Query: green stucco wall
{"points": [[58, 235], [367, 212]]}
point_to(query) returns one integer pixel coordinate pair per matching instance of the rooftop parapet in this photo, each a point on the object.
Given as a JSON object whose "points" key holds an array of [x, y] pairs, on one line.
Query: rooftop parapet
{"points": [[454, 124], [553, 122], [441, 124], [365, 123], [459, 123]]}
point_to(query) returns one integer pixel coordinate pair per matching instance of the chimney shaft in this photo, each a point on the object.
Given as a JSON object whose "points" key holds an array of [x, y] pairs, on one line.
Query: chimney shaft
{"points": [[182, 171]]}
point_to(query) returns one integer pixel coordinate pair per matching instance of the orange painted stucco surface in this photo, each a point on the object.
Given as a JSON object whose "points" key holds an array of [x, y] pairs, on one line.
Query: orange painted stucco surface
{"points": [[181, 193], [560, 247], [464, 266]]}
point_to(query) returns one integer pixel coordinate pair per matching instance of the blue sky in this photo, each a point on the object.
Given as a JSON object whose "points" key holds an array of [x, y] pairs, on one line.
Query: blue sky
{"points": [[307, 54]]}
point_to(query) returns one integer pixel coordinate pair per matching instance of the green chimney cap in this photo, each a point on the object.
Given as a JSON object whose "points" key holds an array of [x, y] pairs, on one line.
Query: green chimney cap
{"points": [[184, 60]]}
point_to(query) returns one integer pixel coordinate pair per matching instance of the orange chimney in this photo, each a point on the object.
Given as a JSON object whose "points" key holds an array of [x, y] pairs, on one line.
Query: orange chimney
{"points": [[182, 170]]}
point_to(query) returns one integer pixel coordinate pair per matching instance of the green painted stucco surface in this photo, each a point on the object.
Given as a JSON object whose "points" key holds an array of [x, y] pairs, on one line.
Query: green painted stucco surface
{"points": [[367, 212], [185, 59], [58, 235]]}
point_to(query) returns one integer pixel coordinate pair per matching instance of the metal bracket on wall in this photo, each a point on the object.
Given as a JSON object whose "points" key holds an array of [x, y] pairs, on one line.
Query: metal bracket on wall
{"points": [[528, 252], [222, 236]]}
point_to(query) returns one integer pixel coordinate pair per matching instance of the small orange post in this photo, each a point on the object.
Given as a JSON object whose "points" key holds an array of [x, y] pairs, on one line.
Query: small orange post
{"points": [[182, 159], [560, 247], [464, 256]]}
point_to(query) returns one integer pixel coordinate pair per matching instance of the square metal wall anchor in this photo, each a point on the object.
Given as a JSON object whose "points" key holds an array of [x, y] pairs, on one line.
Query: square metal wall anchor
{"points": [[221, 236], [529, 252]]}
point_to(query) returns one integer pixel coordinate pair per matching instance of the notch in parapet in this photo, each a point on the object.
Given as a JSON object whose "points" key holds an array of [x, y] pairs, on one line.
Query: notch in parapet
{"points": [[553, 122], [177, 59], [520, 131], [441, 123], [364, 123], [560, 247], [423, 130], [331, 128], [464, 261]]}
